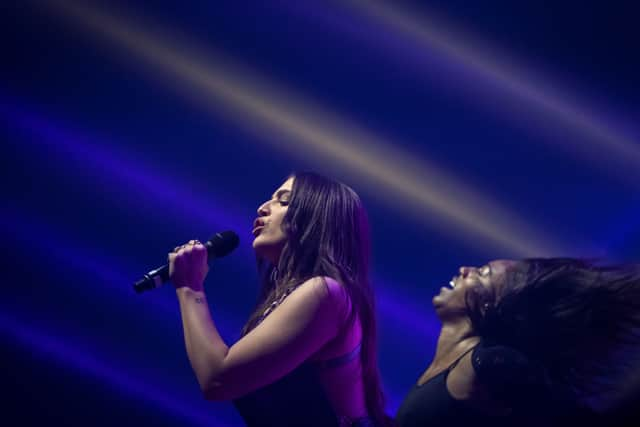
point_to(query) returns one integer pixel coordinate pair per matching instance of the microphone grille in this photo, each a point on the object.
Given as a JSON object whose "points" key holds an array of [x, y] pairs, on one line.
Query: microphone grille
{"points": [[222, 243]]}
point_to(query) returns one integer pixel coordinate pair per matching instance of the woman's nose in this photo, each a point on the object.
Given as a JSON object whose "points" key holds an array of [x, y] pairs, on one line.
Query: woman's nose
{"points": [[263, 209]]}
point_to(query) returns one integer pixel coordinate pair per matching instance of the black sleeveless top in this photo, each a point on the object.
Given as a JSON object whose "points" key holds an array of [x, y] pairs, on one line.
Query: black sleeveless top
{"points": [[297, 399], [508, 375], [431, 404]]}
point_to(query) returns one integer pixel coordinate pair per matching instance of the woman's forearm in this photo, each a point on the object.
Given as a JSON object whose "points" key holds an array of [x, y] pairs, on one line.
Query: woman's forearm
{"points": [[205, 347]]}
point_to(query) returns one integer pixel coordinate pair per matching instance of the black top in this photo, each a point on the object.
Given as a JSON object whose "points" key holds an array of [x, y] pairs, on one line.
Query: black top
{"points": [[297, 399], [431, 404], [509, 377]]}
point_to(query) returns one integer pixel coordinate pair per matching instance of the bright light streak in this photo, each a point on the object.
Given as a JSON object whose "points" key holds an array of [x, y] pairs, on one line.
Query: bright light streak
{"points": [[300, 128], [535, 95]]}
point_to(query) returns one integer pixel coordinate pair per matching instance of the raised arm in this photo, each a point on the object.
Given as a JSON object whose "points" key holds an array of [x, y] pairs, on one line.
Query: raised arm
{"points": [[307, 319]]}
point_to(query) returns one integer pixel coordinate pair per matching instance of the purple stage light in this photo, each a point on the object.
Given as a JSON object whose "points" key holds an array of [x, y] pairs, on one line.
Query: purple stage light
{"points": [[109, 278], [165, 193], [131, 177], [50, 344], [417, 320]]}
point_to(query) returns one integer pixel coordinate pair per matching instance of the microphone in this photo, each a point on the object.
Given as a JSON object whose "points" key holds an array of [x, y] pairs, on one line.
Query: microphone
{"points": [[221, 244]]}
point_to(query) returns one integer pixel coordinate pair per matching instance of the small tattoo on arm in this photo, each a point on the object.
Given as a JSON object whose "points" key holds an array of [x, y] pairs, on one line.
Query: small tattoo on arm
{"points": [[199, 300]]}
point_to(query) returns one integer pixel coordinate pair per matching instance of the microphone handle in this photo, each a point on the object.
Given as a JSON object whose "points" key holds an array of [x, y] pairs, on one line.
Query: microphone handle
{"points": [[219, 245], [153, 279]]}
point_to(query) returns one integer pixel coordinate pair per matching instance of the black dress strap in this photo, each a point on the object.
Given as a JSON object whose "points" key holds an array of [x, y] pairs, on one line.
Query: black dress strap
{"points": [[455, 362], [340, 360]]}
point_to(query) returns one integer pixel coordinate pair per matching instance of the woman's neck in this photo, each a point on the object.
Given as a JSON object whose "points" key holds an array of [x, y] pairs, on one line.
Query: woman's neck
{"points": [[453, 342], [453, 336]]}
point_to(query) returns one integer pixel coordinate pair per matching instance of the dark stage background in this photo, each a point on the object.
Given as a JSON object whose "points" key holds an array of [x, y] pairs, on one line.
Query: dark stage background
{"points": [[472, 130]]}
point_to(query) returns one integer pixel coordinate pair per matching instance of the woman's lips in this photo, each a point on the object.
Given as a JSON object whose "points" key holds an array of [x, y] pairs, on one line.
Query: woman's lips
{"points": [[257, 230]]}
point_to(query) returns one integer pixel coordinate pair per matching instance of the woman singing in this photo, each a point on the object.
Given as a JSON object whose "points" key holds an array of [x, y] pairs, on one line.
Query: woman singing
{"points": [[307, 355]]}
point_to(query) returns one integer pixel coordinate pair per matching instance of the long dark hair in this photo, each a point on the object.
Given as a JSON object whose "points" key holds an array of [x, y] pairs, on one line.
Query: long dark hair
{"points": [[328, 235], [579, 321]]}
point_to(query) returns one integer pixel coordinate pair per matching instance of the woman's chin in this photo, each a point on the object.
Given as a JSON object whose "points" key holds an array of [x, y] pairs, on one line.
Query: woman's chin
{"points": [[441, 296], [265, 251], [437, 301], [256, 243], [261, 245]]}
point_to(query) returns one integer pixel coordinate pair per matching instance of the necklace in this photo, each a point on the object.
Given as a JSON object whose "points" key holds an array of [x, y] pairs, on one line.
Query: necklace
{"points": [[277, 302]]}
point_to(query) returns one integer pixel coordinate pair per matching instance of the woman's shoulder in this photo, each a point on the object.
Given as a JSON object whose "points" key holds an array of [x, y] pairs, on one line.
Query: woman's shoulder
{"points": [[322, 294], [325, 288], [349, 332]]}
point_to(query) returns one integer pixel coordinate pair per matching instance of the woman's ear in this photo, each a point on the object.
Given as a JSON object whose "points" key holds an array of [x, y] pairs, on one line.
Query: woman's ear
{"points": [[481, 297]]}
